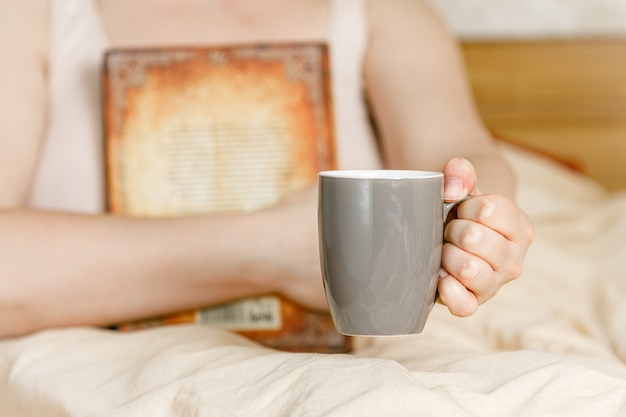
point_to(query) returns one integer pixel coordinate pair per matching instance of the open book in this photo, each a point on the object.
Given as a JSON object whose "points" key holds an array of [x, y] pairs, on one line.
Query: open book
{"points": [[225, 129]]}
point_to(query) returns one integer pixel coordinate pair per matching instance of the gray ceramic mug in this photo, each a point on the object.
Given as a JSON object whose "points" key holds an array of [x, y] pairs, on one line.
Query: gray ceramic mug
{"points": [[381, 235]]}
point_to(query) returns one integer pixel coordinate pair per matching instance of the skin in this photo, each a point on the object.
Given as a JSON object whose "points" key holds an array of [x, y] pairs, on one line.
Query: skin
{"points": [[53, 272]]}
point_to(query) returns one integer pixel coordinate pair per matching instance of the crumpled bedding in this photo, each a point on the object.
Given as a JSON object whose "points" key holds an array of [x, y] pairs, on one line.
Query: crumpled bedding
{"points": [[552, 343]]}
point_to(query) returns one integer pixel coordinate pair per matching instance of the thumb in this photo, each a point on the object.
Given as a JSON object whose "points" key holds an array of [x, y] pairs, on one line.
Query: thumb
{"points": [[459, 179]]}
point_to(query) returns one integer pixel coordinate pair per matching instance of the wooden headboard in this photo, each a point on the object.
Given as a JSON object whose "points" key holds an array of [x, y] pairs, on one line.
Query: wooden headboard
{"points": [[565, 98]]}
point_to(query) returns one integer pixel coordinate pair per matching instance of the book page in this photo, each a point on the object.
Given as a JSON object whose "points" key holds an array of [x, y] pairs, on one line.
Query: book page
{"points": [[215, 131]]}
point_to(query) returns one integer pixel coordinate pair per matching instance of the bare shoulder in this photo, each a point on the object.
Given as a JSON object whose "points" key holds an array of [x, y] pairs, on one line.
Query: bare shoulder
{"points": [[24, 29], [411, 26], [404, 15], [24, 22]]}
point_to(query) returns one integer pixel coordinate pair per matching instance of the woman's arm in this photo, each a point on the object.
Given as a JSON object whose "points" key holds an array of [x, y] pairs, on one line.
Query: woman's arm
{"points": [[426, 117], [60, 269], [64, 269], [420, 96]]}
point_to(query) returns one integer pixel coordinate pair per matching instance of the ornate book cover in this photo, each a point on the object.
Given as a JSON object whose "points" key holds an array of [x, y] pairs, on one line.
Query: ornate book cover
{"points": [[225, 129]]}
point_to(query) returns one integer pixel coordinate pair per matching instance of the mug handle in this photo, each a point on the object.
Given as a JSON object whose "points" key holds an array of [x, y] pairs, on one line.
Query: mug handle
{"points": [[449, 209]]}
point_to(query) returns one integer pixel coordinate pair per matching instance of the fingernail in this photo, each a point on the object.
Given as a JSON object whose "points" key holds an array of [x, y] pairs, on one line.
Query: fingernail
{"points": [[453, 189]]}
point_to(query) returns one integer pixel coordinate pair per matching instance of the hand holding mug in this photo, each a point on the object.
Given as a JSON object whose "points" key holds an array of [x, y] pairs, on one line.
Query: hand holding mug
{"points": [[386, 249], [485, 245]]}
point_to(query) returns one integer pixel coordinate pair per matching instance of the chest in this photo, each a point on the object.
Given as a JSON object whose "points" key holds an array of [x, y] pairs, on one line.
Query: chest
{"points": [[167, 22]]}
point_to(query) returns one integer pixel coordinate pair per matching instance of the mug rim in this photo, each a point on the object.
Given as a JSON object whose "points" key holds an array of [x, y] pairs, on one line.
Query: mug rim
{"points": [[379, 174]]}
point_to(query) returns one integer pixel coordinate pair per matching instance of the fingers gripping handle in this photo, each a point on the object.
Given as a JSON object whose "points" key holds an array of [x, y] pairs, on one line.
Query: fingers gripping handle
{"points": [[449, 209]]}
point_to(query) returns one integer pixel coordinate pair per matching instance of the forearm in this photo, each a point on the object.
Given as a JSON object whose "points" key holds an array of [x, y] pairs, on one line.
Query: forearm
{"points": [[59, 269]]}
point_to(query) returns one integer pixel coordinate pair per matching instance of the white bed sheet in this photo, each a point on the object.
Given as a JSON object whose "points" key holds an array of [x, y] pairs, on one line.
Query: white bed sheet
{"points": [[552, 343]]}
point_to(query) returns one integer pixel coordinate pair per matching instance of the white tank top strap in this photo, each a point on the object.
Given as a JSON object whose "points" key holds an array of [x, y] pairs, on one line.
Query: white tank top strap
{"points": [[70, 169], [348, 34]]}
